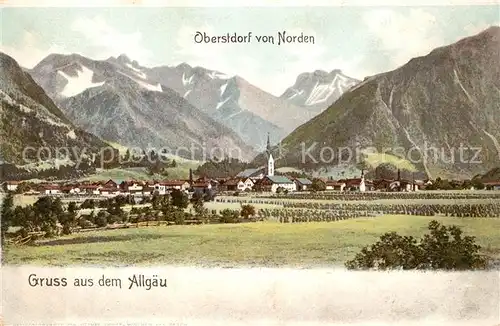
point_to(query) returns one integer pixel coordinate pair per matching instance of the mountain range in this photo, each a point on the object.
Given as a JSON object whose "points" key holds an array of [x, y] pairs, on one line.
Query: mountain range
{"points": [[116, 101], [445, 105], [76, 83], [446, 102], [316, 91]]}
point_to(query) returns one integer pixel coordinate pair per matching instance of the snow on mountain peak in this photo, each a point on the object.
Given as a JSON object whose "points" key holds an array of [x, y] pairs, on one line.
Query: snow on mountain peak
{"points": [[321, 92], [216, 74], [186, 81], [144, 84], [136, 71], [78, 84], [296, 93]]}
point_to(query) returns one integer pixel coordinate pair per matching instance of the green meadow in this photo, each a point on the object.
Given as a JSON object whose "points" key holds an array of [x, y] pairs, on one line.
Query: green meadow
{"points": [[316, 244]]}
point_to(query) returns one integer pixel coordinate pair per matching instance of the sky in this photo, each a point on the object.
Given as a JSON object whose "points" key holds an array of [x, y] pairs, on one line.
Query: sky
{"points": [[359, 40]]}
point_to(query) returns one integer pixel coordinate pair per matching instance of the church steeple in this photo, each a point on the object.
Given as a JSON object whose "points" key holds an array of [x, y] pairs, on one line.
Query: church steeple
{"points": [[268, 147], [362, 186], [270, 160]]}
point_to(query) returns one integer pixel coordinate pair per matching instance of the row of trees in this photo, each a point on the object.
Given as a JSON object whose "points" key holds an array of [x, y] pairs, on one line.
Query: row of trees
{"points": [[441, 184], [13, 172], [226, 168], [50, 217], [47, 215]]}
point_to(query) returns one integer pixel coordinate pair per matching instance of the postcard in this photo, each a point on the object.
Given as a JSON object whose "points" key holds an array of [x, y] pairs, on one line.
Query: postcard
{"points": [[250, 163]]}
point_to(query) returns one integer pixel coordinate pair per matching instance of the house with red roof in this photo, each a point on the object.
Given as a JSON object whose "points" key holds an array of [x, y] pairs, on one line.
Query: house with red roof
{"points": [[51, 189], [492, 185], [334, 185], [164, 186], [90, 189]]}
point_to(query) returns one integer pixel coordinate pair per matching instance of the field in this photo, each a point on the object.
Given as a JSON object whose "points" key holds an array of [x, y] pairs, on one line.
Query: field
{"points": [[230, 245]]}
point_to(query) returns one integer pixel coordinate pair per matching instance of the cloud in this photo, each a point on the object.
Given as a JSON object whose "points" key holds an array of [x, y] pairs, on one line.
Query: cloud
{"points": [[97, 40], [28, 52], [402, 36], [102, 40]]}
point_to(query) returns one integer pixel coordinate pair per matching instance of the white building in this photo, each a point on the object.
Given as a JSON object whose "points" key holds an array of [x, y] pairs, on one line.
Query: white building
{"points": [[109, 192], [249, 183], [273, 183], [74, 190], [10, 185], [52, 190], [303, 184], [90, 189]]}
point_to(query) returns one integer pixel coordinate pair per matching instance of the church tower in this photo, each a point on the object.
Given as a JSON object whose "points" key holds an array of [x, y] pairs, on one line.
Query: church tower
{"points": [[362, 186], [270, 159]]}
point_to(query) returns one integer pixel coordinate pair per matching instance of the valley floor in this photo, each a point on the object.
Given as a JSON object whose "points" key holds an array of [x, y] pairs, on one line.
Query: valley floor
{"points": [[267, 244]]}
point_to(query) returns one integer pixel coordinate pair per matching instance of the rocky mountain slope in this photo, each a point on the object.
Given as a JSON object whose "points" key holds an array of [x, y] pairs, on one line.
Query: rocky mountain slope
{"points": [[31, 123], [228, 99], [116, 100], [441, 111], [316, 91]]}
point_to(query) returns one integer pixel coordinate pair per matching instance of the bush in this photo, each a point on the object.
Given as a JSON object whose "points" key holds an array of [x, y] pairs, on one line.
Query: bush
{"points": [[84, 223], [179, 218], [101, 220], [229, 216], [318, 185], [111, 219], [88, 203], [443, 248], [247, 211], [179, 198]]}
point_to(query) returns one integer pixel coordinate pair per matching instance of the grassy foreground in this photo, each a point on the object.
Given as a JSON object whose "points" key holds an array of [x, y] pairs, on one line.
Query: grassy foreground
{"points": [[250, 244]]}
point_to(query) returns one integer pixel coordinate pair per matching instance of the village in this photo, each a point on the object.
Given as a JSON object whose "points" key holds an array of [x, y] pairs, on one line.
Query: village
{"points": [[260, 180], [250, 180]]}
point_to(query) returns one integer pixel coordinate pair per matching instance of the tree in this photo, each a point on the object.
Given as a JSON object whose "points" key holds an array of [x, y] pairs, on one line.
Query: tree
{"points": [[179, 199], [209, 195], [318, 185], [215, 168], [229, 216], [155, 201], [386, 171], [199, 209], [68, 222], [247, 211], [447, 248], [7, 214], [477, 184], [101, 219], [197, 201], [363, 165], [47, 212], [72, 207], [88, 203], [127, 156], [443, 248]]}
